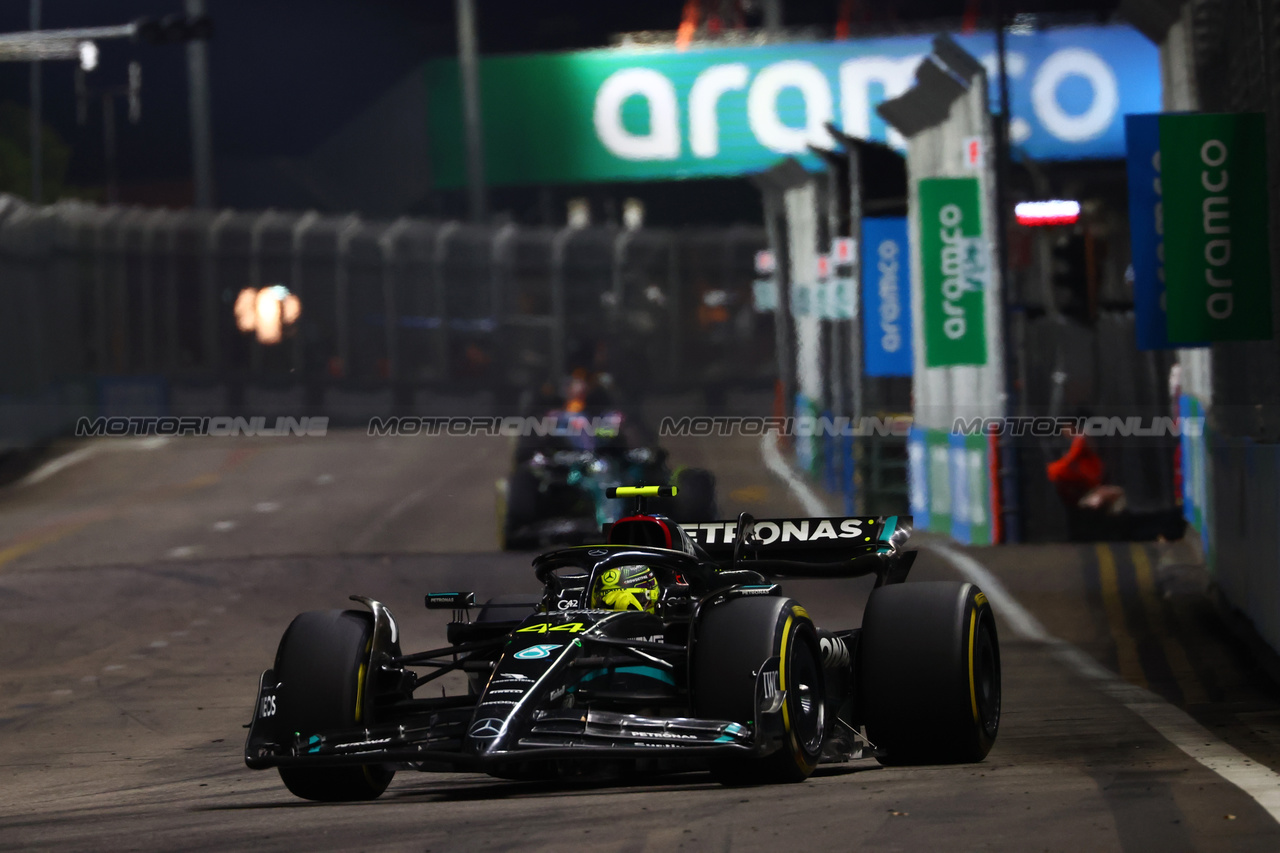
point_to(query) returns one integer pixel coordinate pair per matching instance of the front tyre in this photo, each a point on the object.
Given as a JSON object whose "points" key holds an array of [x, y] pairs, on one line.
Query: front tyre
{"points": [[321, 667], [734, 640], [929, 673]]}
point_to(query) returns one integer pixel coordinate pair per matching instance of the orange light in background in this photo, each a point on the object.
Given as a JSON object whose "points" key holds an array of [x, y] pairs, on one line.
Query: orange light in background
{"points": [[246, 312], [291, 309], [270, 322], [267, 312]]}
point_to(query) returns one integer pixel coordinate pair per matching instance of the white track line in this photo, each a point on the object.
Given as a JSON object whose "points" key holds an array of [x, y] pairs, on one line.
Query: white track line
{"points": [[75, 457], [60, 463], [1172, 723], [813, 505]]}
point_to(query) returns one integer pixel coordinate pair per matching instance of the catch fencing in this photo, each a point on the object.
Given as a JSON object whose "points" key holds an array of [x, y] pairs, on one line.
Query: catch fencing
{"points": [[135, 308], [1224, 56]]}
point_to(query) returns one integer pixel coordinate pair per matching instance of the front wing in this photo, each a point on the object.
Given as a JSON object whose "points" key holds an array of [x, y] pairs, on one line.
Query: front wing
{"points": [[433, 736]]}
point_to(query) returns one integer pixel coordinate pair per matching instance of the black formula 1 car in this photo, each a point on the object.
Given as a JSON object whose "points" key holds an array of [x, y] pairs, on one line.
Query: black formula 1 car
{"points": [[717, 669]]}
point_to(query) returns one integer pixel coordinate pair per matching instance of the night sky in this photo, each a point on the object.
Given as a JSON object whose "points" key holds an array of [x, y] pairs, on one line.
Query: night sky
{"points": [[287, 73]]}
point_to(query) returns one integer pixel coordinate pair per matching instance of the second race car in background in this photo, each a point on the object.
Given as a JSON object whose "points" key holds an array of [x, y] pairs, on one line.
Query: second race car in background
{"points": [[556, 492]]}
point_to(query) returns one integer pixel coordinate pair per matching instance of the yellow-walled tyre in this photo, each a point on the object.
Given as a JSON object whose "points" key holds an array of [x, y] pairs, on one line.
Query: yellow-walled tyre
{"points": [[733, 641], [320, 664], [929, 673]]}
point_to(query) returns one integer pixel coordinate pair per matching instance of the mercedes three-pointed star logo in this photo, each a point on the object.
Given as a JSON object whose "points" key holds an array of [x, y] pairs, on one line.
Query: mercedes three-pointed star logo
{"points": [[490, 727]]}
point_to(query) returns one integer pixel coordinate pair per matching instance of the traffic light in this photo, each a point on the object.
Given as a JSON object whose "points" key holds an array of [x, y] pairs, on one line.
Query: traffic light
{"points": [[1070, 276], [174, 29]]}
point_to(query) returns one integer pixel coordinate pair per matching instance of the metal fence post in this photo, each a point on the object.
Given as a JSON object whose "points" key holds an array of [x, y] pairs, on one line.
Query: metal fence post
{"points": [[122, 324], [149, 261], [676, 312], [442, 304], [558, 355], [387, 241], [171, 301], [300, 229], [212, 346], [341, 282], [255, 280], [620, 246], [499, 274], [498, 268], [100, 343]]}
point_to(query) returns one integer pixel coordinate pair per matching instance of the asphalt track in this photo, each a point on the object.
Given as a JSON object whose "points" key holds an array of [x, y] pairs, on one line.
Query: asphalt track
{"points": [[143, 587]]}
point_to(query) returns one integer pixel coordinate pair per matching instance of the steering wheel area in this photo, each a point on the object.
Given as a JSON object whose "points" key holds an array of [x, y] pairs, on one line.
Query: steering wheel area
{"points": [[582, 566]]}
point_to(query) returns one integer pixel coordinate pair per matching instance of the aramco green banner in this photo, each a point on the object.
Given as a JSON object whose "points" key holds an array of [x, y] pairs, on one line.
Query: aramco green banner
{"points": [[639, 114], [1217, 261], [955, 263]]}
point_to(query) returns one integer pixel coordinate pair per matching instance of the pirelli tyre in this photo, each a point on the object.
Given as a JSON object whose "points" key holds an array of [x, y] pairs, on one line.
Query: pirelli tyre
{"points": [[695, 499], [321, 667], [520, 510], [929, 673], [733, 642]]}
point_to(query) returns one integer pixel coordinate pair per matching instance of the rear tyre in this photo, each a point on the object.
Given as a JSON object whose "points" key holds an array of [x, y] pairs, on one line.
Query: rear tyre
{"points": [[734, 640], [320, 665], [929, 673], [521, 509], [695, 499]]}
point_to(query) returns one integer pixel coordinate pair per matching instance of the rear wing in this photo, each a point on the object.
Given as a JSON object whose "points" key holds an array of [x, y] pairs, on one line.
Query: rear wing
{"points": [[811, 547]]}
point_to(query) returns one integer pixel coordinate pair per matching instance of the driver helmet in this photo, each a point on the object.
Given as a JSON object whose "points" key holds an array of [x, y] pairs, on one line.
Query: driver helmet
{"points": [[626, 588]]}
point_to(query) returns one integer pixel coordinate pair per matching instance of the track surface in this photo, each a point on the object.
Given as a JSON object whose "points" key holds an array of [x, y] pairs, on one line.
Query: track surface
{"points": [[143, 588]]}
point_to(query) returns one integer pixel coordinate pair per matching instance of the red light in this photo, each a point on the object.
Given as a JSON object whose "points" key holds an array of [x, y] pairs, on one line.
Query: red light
{"points": [[1038, 213]]}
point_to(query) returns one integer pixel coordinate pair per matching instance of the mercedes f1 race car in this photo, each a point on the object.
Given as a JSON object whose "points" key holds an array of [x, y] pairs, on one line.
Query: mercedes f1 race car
{"points": [[557, 490], [673, 645]]}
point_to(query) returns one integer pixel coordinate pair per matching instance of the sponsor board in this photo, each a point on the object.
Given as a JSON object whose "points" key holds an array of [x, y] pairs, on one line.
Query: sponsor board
{"points": [[886, 294], [918, 476], [1217, 237], [1195, 472], [646, 114], [950, 484], [955, 261], [1146, 230]]}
